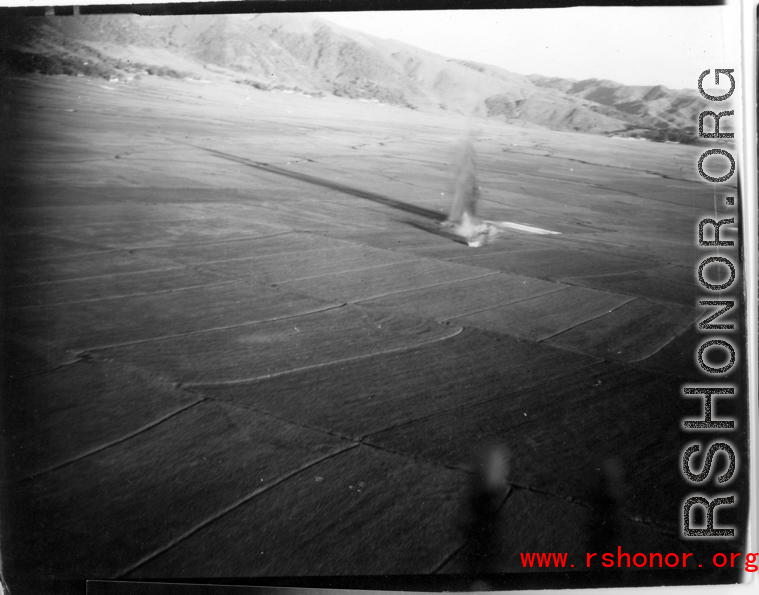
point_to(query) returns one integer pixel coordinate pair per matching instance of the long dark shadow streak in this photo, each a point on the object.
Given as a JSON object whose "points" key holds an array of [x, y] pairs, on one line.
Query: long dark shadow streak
{"points": [[378, 198]]}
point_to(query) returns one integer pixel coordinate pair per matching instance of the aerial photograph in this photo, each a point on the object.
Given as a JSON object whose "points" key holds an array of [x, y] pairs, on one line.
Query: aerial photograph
{"points": [[366, 300]]}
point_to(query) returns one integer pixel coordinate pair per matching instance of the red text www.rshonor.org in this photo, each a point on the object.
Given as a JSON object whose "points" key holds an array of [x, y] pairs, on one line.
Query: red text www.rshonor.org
{"points": [[622, 559]]}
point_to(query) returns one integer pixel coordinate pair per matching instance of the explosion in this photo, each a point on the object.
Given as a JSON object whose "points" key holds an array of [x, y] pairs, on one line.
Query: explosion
{"points": [[462, 219]]}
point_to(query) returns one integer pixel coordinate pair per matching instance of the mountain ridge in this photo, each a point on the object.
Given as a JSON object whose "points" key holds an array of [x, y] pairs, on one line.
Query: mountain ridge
{"points": [[302, 52]]}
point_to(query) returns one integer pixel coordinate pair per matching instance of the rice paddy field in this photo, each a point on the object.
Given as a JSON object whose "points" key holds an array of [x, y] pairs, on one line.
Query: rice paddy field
{"points": [[239, 343]]}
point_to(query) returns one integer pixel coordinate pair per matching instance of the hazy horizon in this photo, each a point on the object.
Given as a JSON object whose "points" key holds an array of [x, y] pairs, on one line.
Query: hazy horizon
{"points": [[615, 43], [646, 46]]}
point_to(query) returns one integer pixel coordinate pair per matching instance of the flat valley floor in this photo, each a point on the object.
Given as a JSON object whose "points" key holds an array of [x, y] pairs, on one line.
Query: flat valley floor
{"points": [[240, 344]]}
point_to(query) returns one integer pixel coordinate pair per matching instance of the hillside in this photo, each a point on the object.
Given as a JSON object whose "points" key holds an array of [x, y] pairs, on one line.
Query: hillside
{"points": [[303, 53], [654, 106]]}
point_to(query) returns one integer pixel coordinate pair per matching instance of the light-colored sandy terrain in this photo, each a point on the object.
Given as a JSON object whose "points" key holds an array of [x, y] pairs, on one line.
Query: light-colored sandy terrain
{"points": [[241, 345]]}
